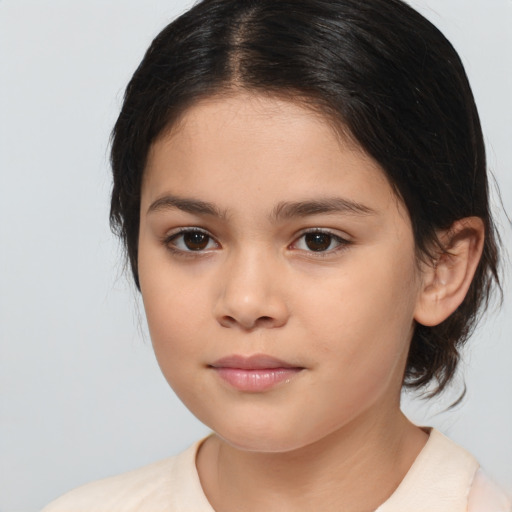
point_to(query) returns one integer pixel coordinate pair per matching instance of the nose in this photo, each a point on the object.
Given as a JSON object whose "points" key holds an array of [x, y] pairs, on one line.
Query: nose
{"points": [[251, 293]]}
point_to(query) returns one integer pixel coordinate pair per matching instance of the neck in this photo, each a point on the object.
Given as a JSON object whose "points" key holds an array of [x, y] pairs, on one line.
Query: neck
{"points": [[354, 469]]}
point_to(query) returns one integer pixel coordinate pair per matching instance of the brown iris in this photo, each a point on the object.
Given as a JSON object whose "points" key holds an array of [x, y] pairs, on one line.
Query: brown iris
{"points": [[195, 240], [318, 241]]}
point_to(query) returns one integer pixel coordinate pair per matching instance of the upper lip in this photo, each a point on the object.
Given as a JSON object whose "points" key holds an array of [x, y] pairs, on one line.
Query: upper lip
{"points": [[254, 362]]}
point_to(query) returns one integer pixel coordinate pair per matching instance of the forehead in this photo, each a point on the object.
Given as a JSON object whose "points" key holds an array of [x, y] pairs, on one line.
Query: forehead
{"points": [[252, 151]]}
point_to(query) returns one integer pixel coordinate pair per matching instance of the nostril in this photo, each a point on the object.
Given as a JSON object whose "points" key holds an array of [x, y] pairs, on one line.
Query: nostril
{"points": [[262, 321], [228, 321], [265, 320]]}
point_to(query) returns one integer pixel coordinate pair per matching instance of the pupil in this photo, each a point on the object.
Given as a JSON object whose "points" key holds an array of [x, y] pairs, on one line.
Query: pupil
{"points": [[195, 241], [318, 241]]}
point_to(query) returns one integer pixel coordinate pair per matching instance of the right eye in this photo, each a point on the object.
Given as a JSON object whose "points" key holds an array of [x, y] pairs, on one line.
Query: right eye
{"points": [[191, 240]]}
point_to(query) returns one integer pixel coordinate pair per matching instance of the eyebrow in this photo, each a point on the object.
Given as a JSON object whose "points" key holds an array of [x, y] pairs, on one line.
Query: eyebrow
{"points": [[194, 206], [287, 210], [283, 211]]}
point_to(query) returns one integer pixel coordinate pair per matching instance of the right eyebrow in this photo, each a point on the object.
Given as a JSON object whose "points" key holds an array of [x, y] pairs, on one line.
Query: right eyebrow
{"points": [[194, 206]]}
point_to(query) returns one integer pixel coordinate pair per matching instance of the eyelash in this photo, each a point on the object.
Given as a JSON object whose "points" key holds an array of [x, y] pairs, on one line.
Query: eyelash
{"points": [[343, 243], [168, 242]]}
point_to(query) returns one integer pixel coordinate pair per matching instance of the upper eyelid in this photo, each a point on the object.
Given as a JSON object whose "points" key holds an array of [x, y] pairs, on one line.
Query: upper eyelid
{"points": [[168, 241], [188, 229], [298, 234], [170, 235], [343, 240], [328, 231]]}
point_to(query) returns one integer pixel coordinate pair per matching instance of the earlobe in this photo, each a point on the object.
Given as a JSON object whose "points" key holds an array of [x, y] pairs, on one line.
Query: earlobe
{"points": [[446, 281]]}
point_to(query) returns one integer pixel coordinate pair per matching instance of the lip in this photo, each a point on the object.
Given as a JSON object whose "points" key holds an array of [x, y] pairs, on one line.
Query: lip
{"points": [[256, 373], [254, 362]]}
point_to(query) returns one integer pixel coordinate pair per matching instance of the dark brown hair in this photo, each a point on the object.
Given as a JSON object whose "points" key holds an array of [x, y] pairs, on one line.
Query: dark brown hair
{"points": [[385, 73]]}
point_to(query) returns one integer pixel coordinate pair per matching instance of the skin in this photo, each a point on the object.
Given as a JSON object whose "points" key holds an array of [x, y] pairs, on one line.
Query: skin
{"points": [[344, 315]]}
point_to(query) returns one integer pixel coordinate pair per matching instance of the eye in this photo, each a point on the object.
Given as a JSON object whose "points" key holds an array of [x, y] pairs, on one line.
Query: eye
{"points": [[319, 241], [191, 240]]}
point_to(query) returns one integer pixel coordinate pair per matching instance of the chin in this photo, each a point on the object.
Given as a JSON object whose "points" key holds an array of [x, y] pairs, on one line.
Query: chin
{"points": [[260, 444], [266, 437]]}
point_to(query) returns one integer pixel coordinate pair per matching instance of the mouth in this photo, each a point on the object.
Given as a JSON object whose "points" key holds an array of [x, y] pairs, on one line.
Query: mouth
{"points": [[255, 373]]}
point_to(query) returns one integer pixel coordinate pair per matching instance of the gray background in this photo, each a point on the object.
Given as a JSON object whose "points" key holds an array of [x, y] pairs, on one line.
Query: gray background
{"points": [[81, 396]]}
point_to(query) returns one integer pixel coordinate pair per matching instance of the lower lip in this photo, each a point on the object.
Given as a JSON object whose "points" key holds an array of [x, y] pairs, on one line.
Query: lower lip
{"points": [[256, 380]]}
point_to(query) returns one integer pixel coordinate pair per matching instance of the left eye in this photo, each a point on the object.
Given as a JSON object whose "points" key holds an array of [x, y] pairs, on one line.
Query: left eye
{"points": [[191, 240], [319, 241]]}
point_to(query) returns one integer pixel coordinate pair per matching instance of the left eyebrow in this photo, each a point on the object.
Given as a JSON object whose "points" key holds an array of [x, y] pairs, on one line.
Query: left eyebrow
{"points": [[287, 210]]}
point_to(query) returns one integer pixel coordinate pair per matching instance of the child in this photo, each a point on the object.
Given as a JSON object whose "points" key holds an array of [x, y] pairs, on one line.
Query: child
{"points": [[301, 189]]}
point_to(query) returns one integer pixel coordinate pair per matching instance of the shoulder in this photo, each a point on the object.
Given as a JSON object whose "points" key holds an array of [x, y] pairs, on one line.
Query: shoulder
{"points": [[164, 485], [486, 496], [445, 478]]}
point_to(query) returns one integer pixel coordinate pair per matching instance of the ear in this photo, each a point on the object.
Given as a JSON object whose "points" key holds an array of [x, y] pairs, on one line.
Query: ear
{"points": [[446, 281]]}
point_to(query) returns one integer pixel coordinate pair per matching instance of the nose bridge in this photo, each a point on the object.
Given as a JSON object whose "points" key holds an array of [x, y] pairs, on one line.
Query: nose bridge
{"points": [[250, 289]]}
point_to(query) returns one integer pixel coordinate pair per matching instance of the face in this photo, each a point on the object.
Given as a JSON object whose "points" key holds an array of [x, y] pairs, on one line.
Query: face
{"points": [[278, 274]]}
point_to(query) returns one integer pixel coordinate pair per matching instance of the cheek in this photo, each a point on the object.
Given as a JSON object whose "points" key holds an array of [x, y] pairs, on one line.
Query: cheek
{"points": [[364, 321], [175, 319], [175, 316], [175, 309]]}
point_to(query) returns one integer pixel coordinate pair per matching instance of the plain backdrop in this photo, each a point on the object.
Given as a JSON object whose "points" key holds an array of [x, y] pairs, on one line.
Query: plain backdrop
{"points": [[81, 396]]}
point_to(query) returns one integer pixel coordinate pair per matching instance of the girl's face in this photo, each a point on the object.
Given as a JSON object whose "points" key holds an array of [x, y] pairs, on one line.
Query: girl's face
{"points": [[278, 274]]}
